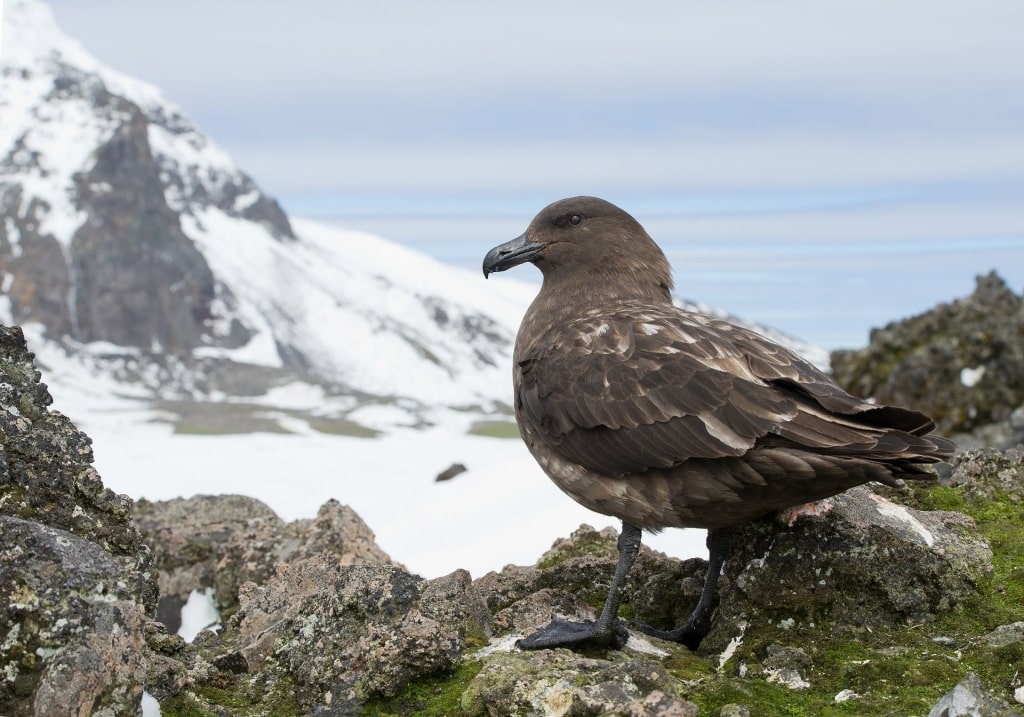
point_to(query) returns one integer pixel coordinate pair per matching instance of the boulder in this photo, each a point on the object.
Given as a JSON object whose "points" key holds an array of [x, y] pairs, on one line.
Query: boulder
{"points": [[970, 698], [329, 637], [831, 564]]}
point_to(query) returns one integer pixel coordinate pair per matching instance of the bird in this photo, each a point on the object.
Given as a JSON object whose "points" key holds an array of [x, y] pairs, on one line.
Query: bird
{"points": [[668, 418]]}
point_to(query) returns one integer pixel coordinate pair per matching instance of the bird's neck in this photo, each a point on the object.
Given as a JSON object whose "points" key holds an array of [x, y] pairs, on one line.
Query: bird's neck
{"points": [[559, 303]]}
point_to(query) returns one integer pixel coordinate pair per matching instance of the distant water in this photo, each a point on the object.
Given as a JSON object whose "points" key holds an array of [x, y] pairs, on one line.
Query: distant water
{"points": [[823, 267]]}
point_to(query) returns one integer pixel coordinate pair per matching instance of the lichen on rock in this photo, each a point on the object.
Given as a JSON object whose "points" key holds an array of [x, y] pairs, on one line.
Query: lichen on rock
{"points": [[962, 363], [76, 582]]}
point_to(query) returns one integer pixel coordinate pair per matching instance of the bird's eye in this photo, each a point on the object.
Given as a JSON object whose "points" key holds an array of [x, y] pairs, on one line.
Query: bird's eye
{"points": [[576, 219]]}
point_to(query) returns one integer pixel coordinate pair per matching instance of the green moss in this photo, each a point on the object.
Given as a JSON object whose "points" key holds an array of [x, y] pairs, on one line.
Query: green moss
{"points": [[239, 695], [342, 427], [436, 696], [494, 429], [887, 682], [184, 705], [938, 497], [585, 541]]}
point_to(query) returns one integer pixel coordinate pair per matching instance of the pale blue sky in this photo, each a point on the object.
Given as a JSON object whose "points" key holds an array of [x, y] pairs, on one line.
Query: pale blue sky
{"points": [[822, 166]]}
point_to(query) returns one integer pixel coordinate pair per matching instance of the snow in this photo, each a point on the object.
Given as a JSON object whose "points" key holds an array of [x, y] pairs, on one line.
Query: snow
{"points": [[58, 131], [969, 377], [199, 613], [150, 707], [340, 297]]}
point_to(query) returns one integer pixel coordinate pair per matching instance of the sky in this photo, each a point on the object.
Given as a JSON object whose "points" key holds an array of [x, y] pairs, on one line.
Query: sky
{"points": [[823, 167]]}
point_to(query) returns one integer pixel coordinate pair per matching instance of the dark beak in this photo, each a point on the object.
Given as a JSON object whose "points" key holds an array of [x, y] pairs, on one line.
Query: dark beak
{"points": [[510, 254]]}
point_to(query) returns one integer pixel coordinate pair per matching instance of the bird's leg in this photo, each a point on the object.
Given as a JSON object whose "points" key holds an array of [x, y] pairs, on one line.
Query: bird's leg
{"points": [[607, 631], [699, 623]]}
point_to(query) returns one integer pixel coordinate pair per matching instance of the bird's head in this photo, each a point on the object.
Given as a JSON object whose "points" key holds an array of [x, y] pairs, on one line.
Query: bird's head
{"points": [[587, 239]]}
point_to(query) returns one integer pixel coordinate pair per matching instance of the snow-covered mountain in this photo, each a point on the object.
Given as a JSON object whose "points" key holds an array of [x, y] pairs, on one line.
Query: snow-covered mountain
{"points": [[138, 246]]}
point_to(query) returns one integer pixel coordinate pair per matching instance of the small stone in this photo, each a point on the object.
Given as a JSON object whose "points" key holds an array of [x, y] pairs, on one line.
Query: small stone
{"points": [[845, 696], [1005, 635], [970, 699], [734, 711], [450, 472]]}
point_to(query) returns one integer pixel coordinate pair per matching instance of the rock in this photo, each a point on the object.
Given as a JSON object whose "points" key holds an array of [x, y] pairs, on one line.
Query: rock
{"points": [[75, 641], [347, 633], [986, 474], [970, 699], [221, 542], [339, 531], [139, 280], [961, 363], [551, 682], [450, 472], [833, 566], [46, 471], [76, 581], [188, 538], [734, 711], [784, 665], [1005, 635]]}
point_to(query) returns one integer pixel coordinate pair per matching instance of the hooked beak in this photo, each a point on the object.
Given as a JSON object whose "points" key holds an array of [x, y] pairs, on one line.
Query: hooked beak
{"points": [[512, 253]]}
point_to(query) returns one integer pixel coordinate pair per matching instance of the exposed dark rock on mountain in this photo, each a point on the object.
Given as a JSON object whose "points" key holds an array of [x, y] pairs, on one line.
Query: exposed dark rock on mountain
{"points": [[138, 280]]}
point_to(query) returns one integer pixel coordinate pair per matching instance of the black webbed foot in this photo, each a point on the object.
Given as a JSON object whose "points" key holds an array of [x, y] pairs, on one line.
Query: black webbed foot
{"points": [[562, 633], [689, 634]]}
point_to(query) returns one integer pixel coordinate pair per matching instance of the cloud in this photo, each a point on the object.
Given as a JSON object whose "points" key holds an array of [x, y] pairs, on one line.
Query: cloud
{"points": [[575, 46], [456, 95]]}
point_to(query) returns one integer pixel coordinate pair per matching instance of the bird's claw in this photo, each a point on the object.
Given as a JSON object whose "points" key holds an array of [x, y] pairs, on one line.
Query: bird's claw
{"points": [[562, 633]]}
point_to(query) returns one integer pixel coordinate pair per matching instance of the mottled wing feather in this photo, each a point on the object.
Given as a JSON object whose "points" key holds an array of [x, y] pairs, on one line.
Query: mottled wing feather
{"points": [[643, 387]]}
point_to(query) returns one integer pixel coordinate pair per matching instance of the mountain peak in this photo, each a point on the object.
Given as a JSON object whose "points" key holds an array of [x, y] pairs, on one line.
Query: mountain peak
{"points": [[131, 239]]}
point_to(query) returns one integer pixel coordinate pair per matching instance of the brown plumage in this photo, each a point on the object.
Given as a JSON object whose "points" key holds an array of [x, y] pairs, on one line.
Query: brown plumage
{"points": [[669, 418]]}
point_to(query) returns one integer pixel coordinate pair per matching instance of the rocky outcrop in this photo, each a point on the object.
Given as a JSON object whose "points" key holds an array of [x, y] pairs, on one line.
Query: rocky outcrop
{"points": [[895, 601], [961, 363], [76, 581], [863, 600]]}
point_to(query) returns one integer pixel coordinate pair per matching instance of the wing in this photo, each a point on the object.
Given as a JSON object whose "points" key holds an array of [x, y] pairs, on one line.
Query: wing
{"points": [[644, 387]]}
